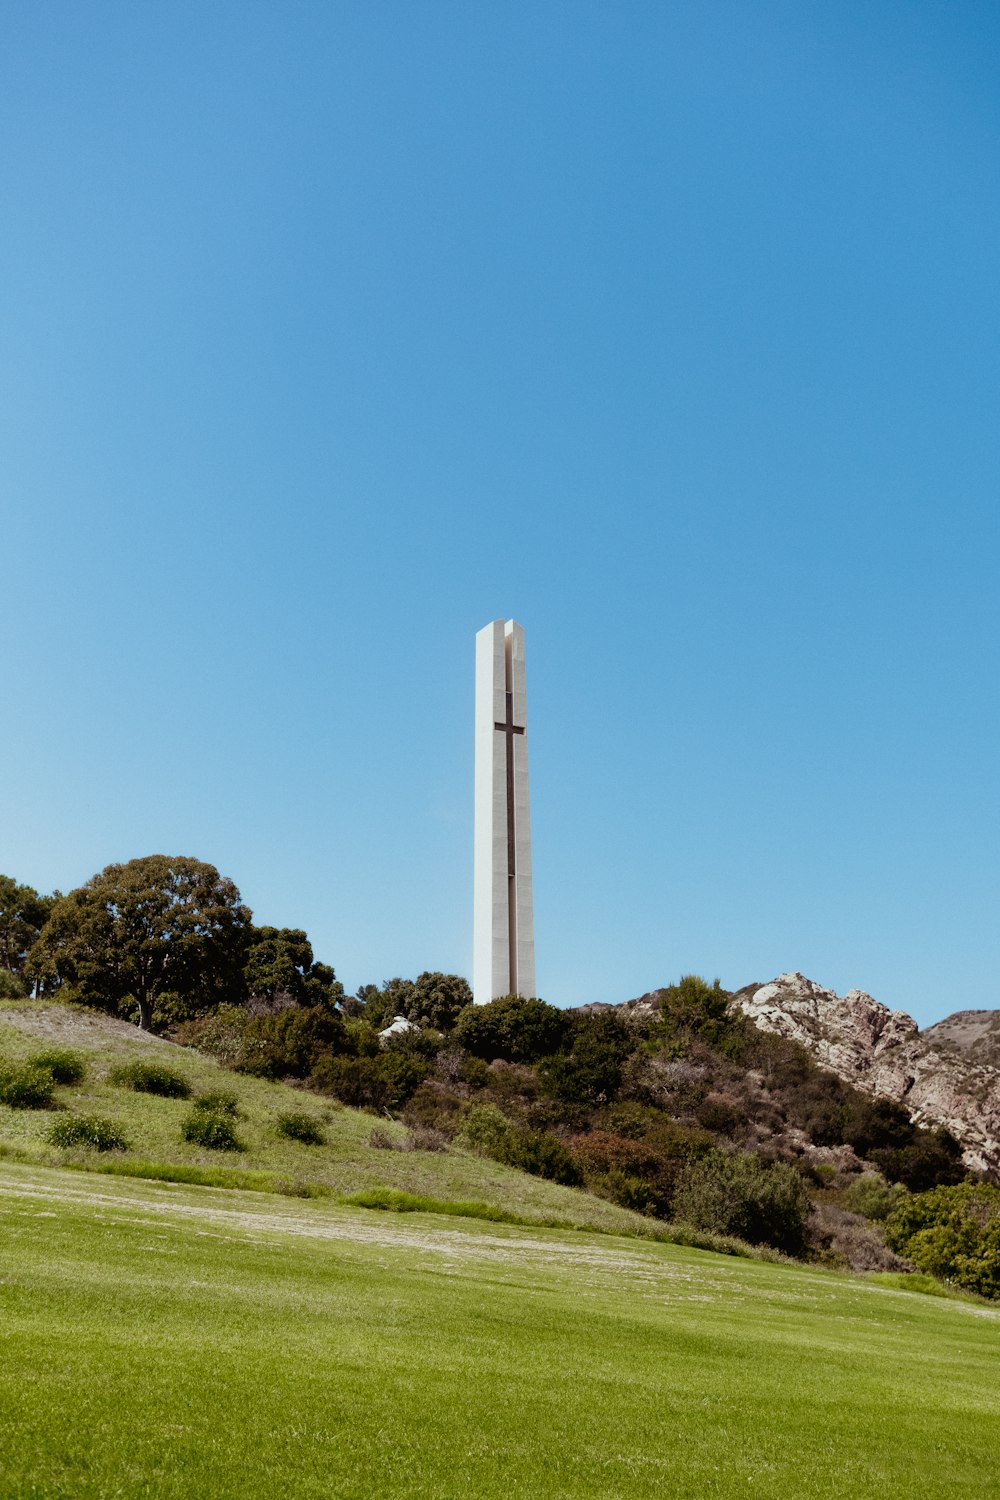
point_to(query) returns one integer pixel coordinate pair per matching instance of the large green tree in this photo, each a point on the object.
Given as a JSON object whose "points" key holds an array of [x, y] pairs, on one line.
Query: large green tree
{"points": [[23, 914], [152, 927], [280, 961]]}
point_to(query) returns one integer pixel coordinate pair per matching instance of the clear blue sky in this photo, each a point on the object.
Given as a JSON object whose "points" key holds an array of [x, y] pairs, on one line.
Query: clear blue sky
{"points": [[329, 333]]}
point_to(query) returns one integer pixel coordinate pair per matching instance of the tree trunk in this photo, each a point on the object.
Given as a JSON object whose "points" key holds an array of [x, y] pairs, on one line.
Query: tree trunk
{"points": [[145, 1013]]}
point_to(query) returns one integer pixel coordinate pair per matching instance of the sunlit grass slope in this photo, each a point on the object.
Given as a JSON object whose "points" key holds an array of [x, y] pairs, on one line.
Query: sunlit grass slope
{"points": [[169, 1341], [345, 1164]]}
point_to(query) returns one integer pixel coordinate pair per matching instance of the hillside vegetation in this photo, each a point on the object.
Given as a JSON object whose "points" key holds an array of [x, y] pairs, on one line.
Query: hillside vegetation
{"points": [[682, 1112], [345, 1162]]}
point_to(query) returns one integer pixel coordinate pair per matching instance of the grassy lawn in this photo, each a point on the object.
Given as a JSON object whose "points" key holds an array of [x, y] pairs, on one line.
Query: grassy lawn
{"points": [[175, 1341]]}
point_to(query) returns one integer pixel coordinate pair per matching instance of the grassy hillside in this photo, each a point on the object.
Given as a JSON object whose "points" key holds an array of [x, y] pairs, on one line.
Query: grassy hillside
{"points": [[345, 1164], [170, 1341]]}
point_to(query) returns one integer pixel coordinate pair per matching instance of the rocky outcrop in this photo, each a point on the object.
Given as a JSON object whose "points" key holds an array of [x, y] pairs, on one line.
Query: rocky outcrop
{"points": [[947, 1075]]}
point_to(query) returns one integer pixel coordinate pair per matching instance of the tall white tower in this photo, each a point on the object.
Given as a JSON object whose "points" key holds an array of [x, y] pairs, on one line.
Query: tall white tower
{"points": [[503, 960]]}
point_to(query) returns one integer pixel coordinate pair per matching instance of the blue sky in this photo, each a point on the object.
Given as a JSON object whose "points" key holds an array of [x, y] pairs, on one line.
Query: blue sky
{"points": [[329, 333]]}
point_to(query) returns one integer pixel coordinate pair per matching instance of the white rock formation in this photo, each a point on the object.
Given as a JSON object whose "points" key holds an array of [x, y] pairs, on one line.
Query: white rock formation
{"points": [[948, 1075]]}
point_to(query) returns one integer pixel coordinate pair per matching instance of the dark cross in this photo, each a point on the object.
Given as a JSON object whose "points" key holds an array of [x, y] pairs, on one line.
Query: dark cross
{"points": [[510, 729]]}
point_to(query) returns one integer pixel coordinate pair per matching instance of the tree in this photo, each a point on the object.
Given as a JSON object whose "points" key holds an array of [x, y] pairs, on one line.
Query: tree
{"points": [[952, 1232], [280, 961], [591, 1073], [382, 1005], [138, 931], [438, 999], [23, 914], [516, 1029], [692, 1007]]}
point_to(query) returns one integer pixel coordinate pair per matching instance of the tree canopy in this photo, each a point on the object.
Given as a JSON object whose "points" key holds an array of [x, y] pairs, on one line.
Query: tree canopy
{"points": [[23, 914], [280, 961], [140, 931]]}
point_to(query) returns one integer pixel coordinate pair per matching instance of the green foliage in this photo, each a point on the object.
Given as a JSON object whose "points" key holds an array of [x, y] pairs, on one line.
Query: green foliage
{"points": [[220, 1102], [512, 1028], [692, 1007], [739, 1194], [280, 961], [23, 914], [487, 1130], [872, 1196], [216, 1132], [140, 930], [438, 1000], [591, 1072], [381, 1006], [952, 1232], [385, 1081], [64, 1066], [643, 1173], [151, 1078], [290, 1043], [932, 1158], [88, 1130], [542, 1154], [297, 1125], [25, 1086]]}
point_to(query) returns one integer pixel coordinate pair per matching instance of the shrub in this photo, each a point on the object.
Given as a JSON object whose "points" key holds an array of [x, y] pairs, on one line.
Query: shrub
{"points": [[290, 1043], [88, 1130], [763, 1203], [872, 1196], [484, 1129], [632, 1172], [63, 1065], [152, 1078], [222, 1102], [592, 1071], [487, 1130], [932, 1159], [215, 1132], [25, 1087], [952, 1232], [693, 1007], [11, 987], [384, 1140], [541, 1154], [848, 1239], [513, 1028], [297, 1125], [425, 1138], [385, 1081]]}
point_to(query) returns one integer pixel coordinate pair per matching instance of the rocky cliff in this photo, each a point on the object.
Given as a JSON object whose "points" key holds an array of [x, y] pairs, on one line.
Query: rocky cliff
{"points": [[947, 1075]]}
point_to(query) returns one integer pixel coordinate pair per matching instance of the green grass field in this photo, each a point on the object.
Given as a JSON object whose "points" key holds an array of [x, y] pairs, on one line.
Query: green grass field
{"points": [[161, 1340]]}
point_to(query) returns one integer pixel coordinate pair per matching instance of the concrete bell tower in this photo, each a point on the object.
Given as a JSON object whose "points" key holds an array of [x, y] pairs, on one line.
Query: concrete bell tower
{"points": [[504, 925]]}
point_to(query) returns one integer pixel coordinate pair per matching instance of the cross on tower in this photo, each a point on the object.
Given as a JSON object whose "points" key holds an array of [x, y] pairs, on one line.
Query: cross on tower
{"points": [[509, 728]]}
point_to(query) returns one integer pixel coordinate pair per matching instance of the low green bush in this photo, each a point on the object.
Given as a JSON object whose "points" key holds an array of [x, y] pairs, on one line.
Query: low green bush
{"points": [[297, 1125], [64, 1066], [25, 1087], [223, 1102], [88, 1130], [765, 1203], [872, 1196], [215, 1132], [152, 1078], [952, 1232]]}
